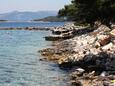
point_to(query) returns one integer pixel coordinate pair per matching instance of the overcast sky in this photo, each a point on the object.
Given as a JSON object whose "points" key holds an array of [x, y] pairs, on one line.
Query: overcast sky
{"points": [[31, 5]]}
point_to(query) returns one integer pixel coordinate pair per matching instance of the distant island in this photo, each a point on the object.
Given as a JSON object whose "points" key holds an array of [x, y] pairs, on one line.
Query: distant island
{"points": [[26, 15], [51, 19], [3, 20]]}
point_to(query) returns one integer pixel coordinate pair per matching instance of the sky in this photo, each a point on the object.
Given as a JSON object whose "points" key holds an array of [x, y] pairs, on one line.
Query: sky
{"points": [[31, 5]]}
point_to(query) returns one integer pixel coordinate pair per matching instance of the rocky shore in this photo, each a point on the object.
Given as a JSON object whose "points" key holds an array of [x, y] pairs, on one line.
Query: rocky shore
{"points": [[89, 54], [28, 28], [67, 31]]}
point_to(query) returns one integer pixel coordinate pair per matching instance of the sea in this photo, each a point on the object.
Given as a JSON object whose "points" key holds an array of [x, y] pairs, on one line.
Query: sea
{"points": [[19, 57], [20, 24]]}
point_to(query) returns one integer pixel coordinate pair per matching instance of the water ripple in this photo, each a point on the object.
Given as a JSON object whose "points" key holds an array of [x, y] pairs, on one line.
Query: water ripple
{"points": [[19, 60]]}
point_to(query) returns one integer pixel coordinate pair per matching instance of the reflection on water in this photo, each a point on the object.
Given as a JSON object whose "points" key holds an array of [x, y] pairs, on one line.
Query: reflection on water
{"points": [[19, 60]]}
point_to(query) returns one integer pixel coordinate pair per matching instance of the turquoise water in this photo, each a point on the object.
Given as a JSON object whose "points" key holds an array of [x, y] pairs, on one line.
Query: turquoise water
{"points": [[29, 24], [19, 60]]}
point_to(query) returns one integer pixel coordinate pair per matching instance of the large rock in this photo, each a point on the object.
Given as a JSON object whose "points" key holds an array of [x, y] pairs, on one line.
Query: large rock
{"points": [[103, 28], [112, 32], [104, 39], [107, 47]]}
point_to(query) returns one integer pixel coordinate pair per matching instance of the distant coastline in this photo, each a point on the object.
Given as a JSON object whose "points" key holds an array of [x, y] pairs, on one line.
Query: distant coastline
{"points": [[50, 19], [26, 15], [3, 20]]}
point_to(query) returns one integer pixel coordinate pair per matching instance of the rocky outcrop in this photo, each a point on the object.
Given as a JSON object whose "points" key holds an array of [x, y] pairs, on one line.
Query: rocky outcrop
{"points": [[61, 33], [67, 31], [93, 52], [59, 37]]}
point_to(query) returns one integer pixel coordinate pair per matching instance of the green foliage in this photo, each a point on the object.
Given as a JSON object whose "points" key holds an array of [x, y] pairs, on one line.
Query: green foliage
{"points": [[68, 11], [89, 11]]}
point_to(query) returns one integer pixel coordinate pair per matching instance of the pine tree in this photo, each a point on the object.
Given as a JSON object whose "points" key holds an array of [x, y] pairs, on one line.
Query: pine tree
{"points": [[89, 11]]}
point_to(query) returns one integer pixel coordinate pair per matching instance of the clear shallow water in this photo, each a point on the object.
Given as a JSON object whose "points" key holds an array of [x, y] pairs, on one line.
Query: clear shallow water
{"points": [[19, 60], [29, 24]]}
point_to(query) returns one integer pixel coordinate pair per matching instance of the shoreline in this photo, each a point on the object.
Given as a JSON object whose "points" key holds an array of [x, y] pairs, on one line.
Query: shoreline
{"points": [[30, 25], [90, 54], [27, 28]]}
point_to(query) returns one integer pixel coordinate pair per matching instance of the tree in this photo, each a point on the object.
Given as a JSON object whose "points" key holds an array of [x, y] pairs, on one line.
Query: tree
{"points": [[89, 11], [68, 11]]}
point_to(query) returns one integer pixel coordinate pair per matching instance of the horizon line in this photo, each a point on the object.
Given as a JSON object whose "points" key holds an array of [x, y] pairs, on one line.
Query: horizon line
{"points": [[28, 11]]}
